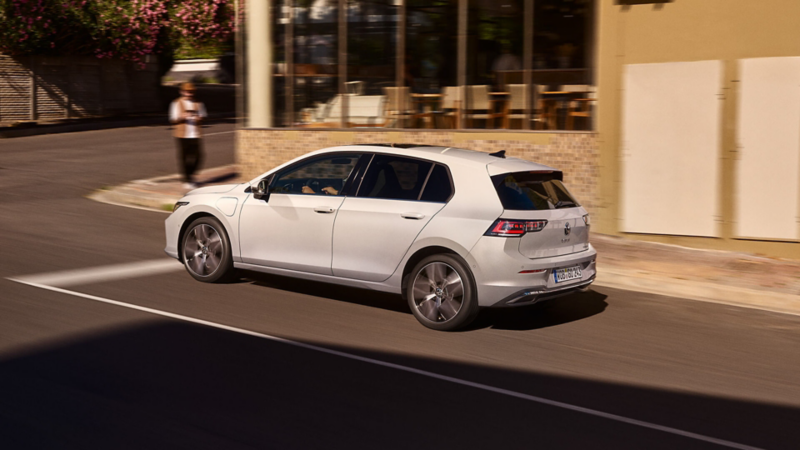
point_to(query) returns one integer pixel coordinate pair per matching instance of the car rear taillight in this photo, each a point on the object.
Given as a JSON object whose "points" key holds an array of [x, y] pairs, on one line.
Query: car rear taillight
{"points": [[515, 228]]}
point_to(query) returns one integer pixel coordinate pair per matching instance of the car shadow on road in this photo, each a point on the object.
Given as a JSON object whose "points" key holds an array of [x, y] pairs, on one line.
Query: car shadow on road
{"points": [[547, 314], [364, 297]]}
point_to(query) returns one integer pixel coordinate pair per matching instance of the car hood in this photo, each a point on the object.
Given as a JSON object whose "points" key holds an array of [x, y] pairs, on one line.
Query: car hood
{"points": [[216, 189]]}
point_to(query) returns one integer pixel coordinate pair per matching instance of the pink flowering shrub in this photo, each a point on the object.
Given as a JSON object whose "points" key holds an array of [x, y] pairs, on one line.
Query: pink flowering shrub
{"points": [[122, 29]]}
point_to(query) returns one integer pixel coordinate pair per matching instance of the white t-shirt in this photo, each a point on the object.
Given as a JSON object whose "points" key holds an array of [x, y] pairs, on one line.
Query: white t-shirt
{"points": [[191, 126]]}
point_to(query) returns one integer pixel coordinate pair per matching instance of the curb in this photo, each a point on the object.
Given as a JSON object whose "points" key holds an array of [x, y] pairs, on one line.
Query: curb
{"points": [[133, 201], [135, 194], [99, 197]]}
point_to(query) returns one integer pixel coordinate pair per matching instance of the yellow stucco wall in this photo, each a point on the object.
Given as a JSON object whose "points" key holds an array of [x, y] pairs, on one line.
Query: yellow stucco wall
{"points": [[687, 30]]}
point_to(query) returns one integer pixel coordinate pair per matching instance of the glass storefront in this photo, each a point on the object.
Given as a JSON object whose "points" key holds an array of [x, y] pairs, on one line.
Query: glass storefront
{"points": [[441, 64]]}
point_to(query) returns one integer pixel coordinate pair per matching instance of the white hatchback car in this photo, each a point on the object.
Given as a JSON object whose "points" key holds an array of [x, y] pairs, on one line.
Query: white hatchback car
{"points": [[451, 230]]}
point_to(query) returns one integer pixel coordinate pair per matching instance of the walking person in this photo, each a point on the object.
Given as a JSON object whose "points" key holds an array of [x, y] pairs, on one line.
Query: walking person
{"points": [[187, 115]]}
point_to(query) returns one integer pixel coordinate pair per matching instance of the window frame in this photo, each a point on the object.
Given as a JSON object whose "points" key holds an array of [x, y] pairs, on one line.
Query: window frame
{"points": [[449, 178]]}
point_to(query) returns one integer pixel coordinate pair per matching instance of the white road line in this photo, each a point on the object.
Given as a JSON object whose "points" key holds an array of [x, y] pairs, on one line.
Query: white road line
{"points": [[102, 274], [424, 373]]}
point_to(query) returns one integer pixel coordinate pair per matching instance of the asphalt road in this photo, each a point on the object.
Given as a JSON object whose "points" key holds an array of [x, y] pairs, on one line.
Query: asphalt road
{"points": [[269, 362]]}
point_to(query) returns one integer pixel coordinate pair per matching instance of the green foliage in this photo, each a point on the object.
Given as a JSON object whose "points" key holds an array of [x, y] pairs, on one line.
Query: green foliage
{"points": [[209, 51]]}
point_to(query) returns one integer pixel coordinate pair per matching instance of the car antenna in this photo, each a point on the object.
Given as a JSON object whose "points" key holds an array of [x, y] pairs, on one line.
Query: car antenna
{"points": [[500, 154]]}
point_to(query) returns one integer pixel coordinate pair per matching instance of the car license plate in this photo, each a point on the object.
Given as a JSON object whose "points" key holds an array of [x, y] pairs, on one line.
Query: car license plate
{"points": [[569, 273]]}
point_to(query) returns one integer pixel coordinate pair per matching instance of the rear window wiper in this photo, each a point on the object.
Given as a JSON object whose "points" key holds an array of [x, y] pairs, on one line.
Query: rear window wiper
{"points": [[565, 203]]}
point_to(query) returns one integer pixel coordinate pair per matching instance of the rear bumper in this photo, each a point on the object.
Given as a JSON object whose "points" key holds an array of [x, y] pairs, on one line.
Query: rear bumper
{"points": [[530, 296], [496, 265]]}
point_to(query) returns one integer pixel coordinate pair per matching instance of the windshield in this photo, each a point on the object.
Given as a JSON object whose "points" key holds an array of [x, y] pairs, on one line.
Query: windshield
{"points": [[530, 191]]}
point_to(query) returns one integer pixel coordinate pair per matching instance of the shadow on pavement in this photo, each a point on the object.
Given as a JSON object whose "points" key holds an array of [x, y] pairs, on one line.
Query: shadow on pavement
{"points": [[166, 384], [547, 314], [364, 297]]}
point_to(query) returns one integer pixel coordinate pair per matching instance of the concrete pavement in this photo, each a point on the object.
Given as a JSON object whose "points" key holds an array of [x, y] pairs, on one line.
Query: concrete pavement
{"points": [[730, 278]]}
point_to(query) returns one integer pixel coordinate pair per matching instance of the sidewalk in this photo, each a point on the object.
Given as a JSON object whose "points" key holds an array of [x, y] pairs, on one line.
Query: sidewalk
{"points": [[730, 278]]}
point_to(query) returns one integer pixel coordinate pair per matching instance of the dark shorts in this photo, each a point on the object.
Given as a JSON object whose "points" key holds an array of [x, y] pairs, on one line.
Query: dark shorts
{"points": [[190, 155]]}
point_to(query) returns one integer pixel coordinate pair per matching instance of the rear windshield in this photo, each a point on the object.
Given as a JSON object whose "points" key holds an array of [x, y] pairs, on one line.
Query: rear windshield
{"points": [[531, 191]]}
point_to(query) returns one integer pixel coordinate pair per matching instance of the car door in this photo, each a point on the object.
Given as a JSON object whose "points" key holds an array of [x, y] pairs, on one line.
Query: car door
{"points": [[375, 228], [293, 228]]}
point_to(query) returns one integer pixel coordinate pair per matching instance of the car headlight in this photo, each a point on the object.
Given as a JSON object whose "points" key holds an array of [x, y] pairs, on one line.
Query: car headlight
{"points": [[178, 205]]}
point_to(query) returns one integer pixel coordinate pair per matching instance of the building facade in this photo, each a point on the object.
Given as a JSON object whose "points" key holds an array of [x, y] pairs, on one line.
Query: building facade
{"points": [[699, 123], [669, 118]]}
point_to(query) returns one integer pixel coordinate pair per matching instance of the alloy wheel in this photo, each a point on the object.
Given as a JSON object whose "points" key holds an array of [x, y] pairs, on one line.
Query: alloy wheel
{"points": [[438, 292], [202, 250]]}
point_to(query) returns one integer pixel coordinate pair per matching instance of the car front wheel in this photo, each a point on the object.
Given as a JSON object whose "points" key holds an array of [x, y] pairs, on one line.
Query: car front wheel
{"points": [[207, 251], [441, 293]]}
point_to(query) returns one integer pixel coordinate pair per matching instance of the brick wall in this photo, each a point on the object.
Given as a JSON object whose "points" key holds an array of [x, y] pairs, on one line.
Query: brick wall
{"points": [[42, 88], [15, 90], [576, 154]]}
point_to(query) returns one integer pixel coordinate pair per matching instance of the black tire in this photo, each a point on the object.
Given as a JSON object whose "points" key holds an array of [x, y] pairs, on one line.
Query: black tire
{"points": [[440, 302], [206, 251]]}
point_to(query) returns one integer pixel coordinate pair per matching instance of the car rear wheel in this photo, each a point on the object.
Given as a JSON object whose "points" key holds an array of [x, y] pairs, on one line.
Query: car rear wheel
{"points": [[207, 251], [441, 293]]}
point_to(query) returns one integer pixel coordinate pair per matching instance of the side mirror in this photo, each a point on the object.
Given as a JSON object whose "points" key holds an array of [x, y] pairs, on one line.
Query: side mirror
{"points": [[261, 191]]}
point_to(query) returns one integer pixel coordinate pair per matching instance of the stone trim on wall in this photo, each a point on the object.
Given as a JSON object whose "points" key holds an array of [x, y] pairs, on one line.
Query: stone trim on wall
{"points": [[576, 154]]}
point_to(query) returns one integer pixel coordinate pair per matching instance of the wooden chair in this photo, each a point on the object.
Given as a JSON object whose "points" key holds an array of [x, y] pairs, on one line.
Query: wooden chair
{"points": [[451, 106], [515, 107], [479, 106], [548, 110], [400, 107]]}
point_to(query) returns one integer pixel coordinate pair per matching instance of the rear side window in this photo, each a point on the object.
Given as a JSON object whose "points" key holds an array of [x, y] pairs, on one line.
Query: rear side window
{"points": [[530, 191], [438, 189], [394, 178]]}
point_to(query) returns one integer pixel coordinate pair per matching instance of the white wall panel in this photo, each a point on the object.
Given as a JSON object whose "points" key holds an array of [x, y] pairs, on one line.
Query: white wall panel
{"points": [[671, 147], [768, 169]]}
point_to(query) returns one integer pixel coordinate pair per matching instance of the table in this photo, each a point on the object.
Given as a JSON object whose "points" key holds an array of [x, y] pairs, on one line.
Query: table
{"points": [[428, 103], [551, 101], [584, 110]]}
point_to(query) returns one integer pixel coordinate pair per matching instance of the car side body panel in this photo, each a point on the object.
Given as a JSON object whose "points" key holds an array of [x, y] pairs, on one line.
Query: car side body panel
{"points": [[371, 236], [289, 231]]}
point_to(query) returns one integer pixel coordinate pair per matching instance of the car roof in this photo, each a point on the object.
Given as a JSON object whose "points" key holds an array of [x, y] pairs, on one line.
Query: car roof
{"points": [[449, 156]]}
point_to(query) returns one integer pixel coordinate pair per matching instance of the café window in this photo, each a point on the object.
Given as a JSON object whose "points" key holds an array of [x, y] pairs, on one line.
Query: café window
{"points": [[446, 64]]}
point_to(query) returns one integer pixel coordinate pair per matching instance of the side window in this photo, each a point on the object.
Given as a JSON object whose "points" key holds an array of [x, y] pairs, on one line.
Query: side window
{"points": [[394, 178], [438, 189], [325, 176]]}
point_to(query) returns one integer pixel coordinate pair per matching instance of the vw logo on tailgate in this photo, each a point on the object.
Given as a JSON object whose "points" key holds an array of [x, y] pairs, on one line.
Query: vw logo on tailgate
{"points": [[566, 229]]}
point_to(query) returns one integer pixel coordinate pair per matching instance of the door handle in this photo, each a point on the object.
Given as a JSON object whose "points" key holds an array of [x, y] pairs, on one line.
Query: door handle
{"points": [[412, 216], [323, 210]]}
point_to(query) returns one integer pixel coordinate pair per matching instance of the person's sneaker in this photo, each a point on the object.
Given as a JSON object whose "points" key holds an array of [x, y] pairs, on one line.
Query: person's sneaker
{"points": [[189, 186]]}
